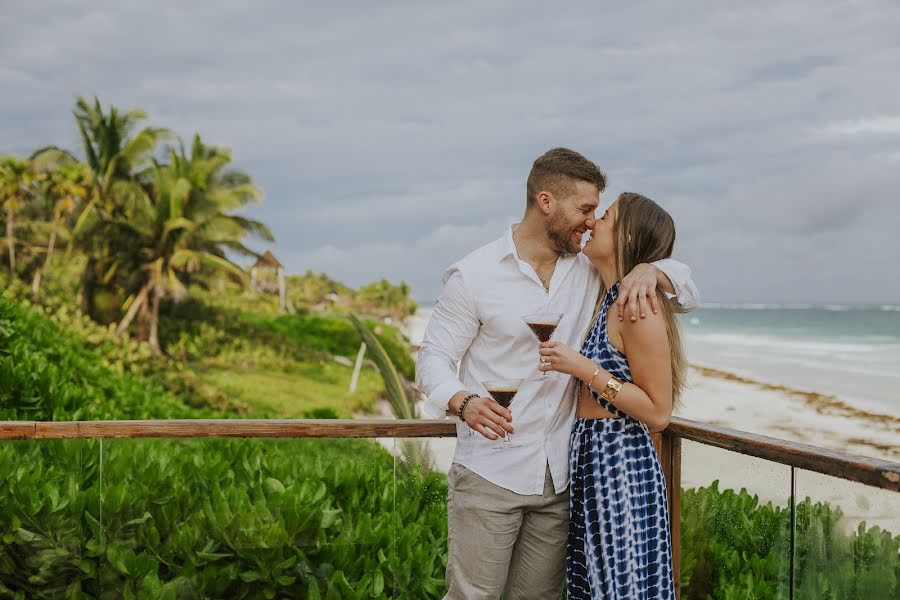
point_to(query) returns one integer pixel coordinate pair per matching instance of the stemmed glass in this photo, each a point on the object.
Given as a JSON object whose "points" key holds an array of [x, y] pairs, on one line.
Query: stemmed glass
{"points": [[503, 391], [542, 325]]}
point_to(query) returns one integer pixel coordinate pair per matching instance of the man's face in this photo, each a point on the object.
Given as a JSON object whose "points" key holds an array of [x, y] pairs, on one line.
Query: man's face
{"points": [[572, 216]]}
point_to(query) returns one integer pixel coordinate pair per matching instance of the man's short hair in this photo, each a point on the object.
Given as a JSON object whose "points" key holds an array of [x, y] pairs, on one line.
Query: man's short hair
{"points": [[557, 171]]}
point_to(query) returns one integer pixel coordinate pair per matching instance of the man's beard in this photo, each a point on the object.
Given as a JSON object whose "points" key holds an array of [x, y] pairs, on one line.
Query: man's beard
{"points": [[562, 241]]}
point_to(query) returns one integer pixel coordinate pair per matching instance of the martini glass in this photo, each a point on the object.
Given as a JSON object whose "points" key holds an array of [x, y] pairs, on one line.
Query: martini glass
{"points": [[542, 325], [503, 391]]}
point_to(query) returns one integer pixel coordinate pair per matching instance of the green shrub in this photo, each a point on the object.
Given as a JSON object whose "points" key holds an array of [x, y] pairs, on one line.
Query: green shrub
{"points": [[734, 548], [199, 518], [217, 518], [48, 373]]}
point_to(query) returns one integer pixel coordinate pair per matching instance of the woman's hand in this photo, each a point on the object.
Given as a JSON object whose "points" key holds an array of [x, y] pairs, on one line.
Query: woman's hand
{"points": [[556, 356]]}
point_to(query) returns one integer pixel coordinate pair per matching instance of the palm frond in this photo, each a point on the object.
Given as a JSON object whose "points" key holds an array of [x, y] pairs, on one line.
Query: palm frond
{"points": [[237, 247], [182, 259], [52, 157], [141, 147]]}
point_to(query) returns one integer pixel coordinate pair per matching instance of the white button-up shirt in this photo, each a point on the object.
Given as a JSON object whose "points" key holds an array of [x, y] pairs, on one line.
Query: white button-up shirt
{"points": [[477, 324]]}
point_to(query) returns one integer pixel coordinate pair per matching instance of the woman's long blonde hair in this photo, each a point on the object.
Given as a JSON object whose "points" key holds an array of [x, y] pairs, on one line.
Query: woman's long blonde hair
{"points": [[643, 233]]}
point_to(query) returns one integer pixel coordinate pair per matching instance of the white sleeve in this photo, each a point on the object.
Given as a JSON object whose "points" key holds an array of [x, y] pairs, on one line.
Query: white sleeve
{"points": [[686, 293], [449, 333]]}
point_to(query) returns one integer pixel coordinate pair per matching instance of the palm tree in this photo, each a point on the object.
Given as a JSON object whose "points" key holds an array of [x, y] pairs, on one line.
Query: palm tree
{"points": [[115, 155], [66, 183], [188, 226], [17, 181]]}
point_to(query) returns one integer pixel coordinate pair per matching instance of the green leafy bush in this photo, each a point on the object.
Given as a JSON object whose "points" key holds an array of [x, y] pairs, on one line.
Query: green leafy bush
{"points": [[217, 518], [48, 373], [734, 548], [198, 518]]}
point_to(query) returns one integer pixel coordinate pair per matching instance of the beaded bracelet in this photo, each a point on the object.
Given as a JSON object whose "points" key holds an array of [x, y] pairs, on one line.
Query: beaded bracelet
{"points": [[462, 407]]}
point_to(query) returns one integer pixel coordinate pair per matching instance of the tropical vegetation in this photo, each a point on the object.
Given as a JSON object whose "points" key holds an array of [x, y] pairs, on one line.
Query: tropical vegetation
{"points": [[146, 219], [201, 518]]}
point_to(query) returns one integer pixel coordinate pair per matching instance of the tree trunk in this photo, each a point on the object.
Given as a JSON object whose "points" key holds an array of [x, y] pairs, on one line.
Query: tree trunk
{"points": [[36, 284], [10, 242], [51, 245], [282, 292], [139, 301], [154, 320]]}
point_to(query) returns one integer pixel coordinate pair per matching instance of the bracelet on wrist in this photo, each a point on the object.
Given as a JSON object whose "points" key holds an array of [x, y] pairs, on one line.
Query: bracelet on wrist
{"points": [[591, 380], [462, 407]]}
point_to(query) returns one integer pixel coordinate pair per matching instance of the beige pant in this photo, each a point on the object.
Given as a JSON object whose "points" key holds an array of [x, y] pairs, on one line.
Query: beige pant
{"points": [[504, 543]]}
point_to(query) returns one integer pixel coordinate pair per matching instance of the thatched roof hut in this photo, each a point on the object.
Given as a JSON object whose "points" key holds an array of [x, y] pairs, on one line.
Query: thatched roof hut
{"points": [[267, 261]]}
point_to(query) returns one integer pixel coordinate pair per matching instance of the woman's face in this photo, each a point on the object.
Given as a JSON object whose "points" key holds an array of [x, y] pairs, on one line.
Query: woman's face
{"points": [[600, 244]]}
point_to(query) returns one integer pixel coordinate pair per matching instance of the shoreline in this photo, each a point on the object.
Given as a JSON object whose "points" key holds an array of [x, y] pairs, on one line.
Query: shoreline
{"points": [[719, 397], [818, 400]]}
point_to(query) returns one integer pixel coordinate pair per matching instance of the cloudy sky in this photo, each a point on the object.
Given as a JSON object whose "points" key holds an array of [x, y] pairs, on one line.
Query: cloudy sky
{"points": [[393, 137]]}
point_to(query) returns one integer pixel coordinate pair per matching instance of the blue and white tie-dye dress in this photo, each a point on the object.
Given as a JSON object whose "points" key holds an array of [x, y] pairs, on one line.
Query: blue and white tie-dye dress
{"points": [[620, 545]]}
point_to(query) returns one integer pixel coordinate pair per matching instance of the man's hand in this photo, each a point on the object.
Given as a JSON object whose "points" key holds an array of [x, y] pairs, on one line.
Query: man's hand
{"points": [[488, 418], [638, 291]]}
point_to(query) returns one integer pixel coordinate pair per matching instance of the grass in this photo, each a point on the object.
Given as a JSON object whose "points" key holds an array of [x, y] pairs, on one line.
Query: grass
{"points": [[295, 391], [268, 367]]}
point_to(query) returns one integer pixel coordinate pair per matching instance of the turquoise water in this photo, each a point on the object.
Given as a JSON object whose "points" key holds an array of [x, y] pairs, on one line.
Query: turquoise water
{"points": [[851, 352]]}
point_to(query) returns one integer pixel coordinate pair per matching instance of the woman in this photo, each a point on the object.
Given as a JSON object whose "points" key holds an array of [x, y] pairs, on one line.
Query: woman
{"points": [[630, 375]]}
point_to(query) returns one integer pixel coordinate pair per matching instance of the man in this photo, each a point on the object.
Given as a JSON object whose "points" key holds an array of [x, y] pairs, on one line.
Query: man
{"points": [[508, 506]]}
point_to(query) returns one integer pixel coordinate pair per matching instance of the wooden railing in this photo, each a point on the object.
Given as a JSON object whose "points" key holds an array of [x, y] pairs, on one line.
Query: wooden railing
{"points": [[869, 471]]}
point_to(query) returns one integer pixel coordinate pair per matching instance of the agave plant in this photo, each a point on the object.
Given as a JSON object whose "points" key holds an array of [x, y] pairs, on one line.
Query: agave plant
{"points": [[413, 454]]}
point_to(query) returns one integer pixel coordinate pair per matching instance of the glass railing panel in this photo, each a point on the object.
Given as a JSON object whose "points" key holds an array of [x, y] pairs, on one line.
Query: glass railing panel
{"points": [[50, 535], [419, 542], [244, 518], [735, 525], [847, 539]]}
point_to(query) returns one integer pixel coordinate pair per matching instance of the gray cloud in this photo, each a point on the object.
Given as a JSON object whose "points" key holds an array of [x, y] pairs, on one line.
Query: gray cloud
{"points": [[392, 138]]}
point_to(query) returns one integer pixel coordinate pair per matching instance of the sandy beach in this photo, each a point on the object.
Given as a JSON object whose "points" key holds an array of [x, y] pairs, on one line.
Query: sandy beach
{"points": [[728, 400], [722, 398]]}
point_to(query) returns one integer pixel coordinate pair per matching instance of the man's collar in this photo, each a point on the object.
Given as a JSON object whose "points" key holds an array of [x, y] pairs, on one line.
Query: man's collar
{"points": [[508, 247]]}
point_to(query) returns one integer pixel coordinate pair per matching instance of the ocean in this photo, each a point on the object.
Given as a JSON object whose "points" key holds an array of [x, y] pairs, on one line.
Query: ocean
{"points": [[849, 352]]}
